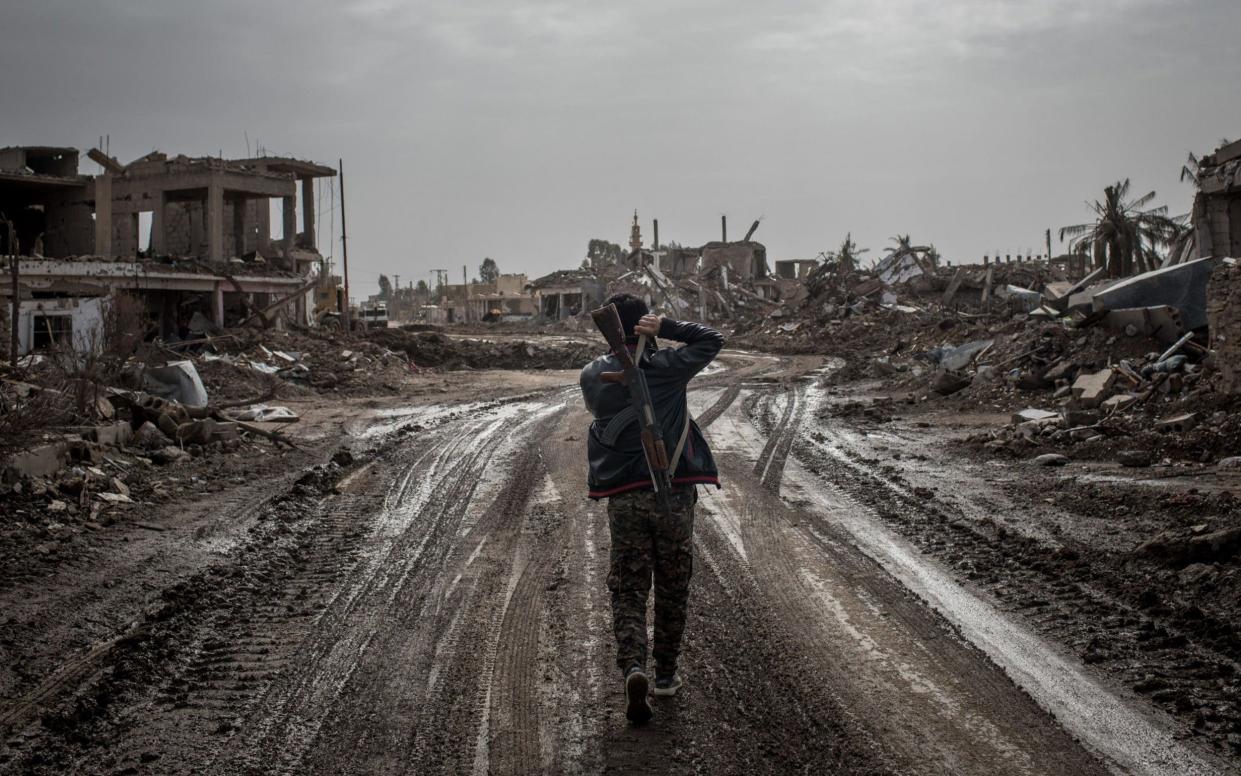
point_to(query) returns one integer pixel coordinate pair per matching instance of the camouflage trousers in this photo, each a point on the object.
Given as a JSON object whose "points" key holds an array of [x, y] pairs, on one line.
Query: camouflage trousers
{"points": [[647, 541]]}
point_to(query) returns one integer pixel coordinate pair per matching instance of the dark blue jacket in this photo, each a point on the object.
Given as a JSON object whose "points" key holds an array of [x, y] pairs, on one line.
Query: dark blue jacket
{"points": [[617, 463]]}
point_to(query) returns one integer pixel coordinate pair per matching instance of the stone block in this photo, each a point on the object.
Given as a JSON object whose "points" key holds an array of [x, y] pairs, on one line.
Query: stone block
{"points": [[1089, 390], [1031, 414]]}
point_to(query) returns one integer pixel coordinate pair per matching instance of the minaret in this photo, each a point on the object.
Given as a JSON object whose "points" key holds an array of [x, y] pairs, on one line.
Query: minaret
{"points": [[635, 234]]}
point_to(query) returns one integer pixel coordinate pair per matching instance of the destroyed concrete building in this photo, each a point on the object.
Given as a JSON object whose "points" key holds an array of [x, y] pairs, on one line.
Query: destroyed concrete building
{"points": [[77, 238], [795, 269], [1217, 206], [506, 299], [565, 293]]}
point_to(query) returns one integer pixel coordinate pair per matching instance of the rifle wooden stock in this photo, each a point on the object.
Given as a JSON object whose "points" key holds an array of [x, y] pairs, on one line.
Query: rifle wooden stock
{"points": [[609, 323]]}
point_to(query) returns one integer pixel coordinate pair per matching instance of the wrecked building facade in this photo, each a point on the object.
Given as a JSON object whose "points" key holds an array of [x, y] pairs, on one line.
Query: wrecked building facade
{"points": [[1217, 206], [209, 248]]}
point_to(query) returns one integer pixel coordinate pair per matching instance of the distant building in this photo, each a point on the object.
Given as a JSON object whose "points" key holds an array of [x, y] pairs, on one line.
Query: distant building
{"points": [[566, 293]]}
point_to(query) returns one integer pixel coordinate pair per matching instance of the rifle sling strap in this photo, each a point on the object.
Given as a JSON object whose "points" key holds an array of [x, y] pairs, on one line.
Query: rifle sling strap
{"points": [[622, 419]]}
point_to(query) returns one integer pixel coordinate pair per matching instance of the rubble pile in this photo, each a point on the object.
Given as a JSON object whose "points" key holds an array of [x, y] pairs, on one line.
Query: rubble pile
{"points": [[152, 450], [1138, 385], [435, 350]]}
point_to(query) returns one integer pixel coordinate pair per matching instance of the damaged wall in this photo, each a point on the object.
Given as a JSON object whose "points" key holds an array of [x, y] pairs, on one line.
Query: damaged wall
{"points": [[46, 323], [1224, 317]]}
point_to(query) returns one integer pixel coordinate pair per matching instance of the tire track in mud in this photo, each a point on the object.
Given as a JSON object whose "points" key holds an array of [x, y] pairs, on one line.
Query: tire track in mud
{"points": [[933, 703], [515, 730], [287, 720], [236, 510], [721, 404], [770, 465], [246, 670], [418, 678], [1021, 567]]}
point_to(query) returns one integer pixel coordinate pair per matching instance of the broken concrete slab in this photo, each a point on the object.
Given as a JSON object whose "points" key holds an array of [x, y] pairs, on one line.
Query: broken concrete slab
{"points": [[41, 461], [1032, 414], [1089, 390], [1023, 298], [177, 380], [1183, 286], [115, 434], [1161, 322], [1118, 403]]}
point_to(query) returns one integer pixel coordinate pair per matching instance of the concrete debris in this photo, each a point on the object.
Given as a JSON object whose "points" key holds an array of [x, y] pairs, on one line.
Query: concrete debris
{"points": [[1034, 415], [1179, 424], [1180, 286], [265, 414], [177, 380], [1090, 390], [1051, 459]]}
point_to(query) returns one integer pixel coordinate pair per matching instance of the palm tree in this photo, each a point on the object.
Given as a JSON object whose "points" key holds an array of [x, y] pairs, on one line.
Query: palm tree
{"points": [[903, 244], [1125, 233], [847, 256]]}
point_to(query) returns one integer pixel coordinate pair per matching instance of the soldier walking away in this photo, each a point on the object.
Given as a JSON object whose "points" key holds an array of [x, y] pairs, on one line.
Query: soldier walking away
{"points": [[652, 533]]}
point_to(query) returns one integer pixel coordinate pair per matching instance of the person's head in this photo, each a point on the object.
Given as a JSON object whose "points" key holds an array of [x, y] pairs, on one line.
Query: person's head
{"points": [[631, 309]]}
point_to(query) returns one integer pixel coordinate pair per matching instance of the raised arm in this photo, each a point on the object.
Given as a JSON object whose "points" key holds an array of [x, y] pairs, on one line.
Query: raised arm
{"points": [[702, 344]]}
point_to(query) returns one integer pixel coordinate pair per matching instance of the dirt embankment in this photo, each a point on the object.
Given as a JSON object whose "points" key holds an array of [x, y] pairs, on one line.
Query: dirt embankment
{"points": [[440, 351]]}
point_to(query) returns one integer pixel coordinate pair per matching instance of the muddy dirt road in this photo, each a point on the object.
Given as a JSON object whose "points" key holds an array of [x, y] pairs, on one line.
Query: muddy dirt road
{"points": [[438, 606]]}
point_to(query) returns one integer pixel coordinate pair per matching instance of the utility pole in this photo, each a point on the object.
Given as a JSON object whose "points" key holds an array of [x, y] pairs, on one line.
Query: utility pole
{"points": [[441, 280], [344, 243], [17, 299], [465, 291], [723, 228]]}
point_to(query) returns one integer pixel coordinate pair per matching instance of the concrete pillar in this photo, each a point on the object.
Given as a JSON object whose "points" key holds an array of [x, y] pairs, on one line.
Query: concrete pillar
{"points": [[196, 212], [215, 219], [289, 213], [168, 313], [103, 215], [135, 233], [239, 227], [308, 210], [159, 225], [217, 304], [262, 222]]}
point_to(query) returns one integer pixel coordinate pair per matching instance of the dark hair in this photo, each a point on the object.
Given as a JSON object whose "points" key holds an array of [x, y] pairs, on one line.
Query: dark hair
{"points": [[631, 309]]}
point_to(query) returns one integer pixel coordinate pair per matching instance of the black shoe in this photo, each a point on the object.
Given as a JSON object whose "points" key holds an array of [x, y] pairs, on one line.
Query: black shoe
{"points": [[666, 686], [637, 707]]}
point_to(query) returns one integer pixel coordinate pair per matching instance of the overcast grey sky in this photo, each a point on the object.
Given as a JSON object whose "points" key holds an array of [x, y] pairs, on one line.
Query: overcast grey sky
{"points": [[519, 130]]}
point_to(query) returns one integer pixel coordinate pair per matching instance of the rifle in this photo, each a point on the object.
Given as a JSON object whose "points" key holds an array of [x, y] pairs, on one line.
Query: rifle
{"points": [[634, 379]]}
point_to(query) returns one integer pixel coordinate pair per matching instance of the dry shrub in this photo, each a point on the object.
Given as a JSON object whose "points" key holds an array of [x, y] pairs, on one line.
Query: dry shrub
{"points": [[22, 418]]}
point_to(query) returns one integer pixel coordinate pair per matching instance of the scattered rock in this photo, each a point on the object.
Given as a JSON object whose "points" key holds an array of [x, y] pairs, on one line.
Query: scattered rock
{"points": [[170, 454], [1051, 459], [148, 437]]}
